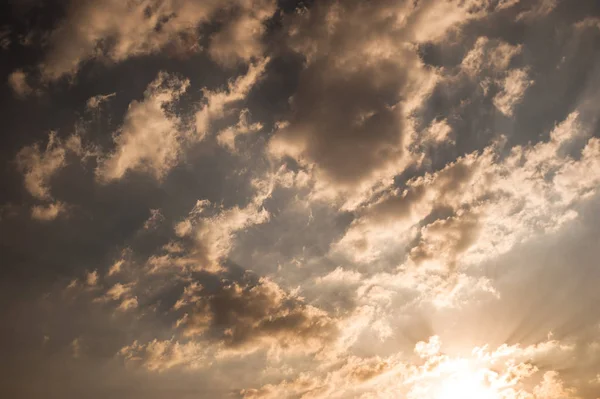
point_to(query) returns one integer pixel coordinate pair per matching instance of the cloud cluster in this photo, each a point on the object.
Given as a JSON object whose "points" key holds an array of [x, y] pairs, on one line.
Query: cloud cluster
{"points": [[481, 204], [505, 373], [362, 79], [352, 184], [245, 317], [91, 31]]}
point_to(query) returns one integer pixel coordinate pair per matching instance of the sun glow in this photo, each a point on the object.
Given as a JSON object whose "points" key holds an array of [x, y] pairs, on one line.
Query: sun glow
{"points": [[458, 378], [467, 384]]}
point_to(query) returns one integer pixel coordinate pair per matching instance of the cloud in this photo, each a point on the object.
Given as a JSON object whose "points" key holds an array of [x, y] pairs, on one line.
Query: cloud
{"points": [[362, 79], [155, 219], [439, 131], [91, 31], [216, 104], [119, 265], [150, 138], [47, 212], [379, 201], [353, 373], [245, 317], [227, 137], [485, 204], [540, 8], [339, 276], [228, 319], [17, 81], [127, 304], [5, 40], [489, 56], [38, 166], [482, 373], [163, 355], [92, 278], [213, 230], [444, 240], [514, 87], [95, 101], [117, 291], [121, 293], [76, 347], [346, 118], [240, 39]]}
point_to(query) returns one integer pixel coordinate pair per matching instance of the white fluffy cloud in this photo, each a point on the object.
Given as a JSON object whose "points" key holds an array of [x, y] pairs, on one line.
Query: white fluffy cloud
{"points": [[150, 138]]}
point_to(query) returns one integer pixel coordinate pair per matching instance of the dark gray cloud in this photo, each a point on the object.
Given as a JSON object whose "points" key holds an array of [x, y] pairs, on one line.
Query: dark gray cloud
{"points": [[243, 315]]}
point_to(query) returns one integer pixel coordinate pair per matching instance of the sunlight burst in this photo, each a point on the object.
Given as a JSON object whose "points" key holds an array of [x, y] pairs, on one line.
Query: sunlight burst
{"points": [[467, 384]]}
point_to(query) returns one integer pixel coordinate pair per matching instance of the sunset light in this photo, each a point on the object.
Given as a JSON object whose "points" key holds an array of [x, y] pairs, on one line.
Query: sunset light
{"points": [[300, 199]]}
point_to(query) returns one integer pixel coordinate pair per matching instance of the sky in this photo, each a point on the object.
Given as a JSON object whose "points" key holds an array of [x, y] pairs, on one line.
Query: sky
{"points": [[300, 199]]}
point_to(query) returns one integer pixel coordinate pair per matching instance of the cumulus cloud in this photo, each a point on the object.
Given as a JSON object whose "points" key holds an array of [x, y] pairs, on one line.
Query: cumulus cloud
{"points": [[229, 319], [350, 116], [505, 373], [246, 316], [346, 117], [91, 31], [367, 201], [491, 202], [150, 138]]}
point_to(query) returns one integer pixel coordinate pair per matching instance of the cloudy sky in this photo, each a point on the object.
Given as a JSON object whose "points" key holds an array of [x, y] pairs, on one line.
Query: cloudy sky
{"points": [[300, 199]]}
